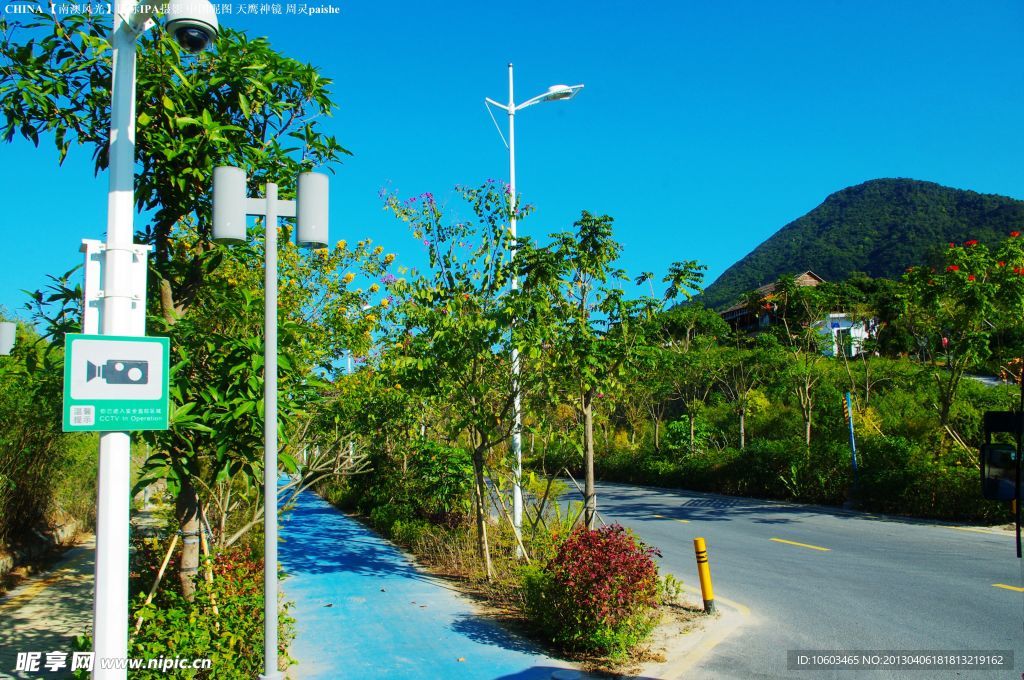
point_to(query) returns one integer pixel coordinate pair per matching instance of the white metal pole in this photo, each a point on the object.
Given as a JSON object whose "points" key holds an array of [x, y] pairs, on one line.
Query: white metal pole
{"points": [[351, 442], [270, 440], [517, 412], [110, 608]]}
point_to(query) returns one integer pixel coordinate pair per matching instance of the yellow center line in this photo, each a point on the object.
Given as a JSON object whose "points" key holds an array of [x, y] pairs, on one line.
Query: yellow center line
{"points": [[1013, 588], [684, 521], [802, 545]]}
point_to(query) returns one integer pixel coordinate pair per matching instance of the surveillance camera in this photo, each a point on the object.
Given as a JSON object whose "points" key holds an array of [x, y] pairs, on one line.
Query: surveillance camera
{"points": [[193, 23]]}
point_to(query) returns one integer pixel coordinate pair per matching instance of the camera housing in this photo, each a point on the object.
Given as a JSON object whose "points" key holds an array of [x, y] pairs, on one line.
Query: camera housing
{"points": [[193, 23]]}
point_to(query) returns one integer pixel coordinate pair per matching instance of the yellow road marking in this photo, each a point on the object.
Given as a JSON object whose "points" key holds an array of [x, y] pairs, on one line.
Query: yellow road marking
{"points": [[802, 545], [1003, 585], [977, 531], [684, 521]]}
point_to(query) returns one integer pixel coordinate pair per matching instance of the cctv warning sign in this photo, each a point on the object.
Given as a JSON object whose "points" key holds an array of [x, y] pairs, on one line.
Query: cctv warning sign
{"points": [[115, 383]]}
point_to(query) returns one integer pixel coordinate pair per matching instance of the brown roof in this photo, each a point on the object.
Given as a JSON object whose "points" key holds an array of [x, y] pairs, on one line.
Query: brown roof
{"points": [[808, 278]]}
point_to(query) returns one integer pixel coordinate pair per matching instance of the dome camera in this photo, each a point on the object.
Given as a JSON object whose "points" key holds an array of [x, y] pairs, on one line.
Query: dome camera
{"points": [[193, 23]]}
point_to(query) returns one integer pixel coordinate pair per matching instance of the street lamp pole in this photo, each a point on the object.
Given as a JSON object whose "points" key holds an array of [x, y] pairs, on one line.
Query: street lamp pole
{"points": [[517, 410], [554, 93], [194, 26], [110, 604], [230, 207]]}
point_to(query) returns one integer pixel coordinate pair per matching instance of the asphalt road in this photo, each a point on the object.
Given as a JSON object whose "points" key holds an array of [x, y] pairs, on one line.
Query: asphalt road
{"points": [[820, 579]]}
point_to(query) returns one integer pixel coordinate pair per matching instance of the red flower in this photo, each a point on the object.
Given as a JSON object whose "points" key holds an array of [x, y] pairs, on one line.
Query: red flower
{"points": [[970, 277], [971, 243], [952, 245], [953, 268], [1000, 263], [1014, 234]]}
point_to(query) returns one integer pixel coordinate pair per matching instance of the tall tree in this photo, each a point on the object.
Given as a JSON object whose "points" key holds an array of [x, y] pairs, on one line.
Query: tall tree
{"points": [[241, 104], [593, 330], [449, 329]]}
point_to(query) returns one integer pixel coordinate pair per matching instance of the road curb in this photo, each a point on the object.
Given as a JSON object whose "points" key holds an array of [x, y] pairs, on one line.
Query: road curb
{"points": [[689, 650]]}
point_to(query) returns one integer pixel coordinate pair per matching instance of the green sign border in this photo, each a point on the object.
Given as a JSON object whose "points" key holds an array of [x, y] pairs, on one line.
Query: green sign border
{"points": [[148, 414]]}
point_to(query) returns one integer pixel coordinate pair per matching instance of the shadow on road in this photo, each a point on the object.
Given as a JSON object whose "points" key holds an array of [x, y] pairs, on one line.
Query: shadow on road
{"points": [[644, 502]]}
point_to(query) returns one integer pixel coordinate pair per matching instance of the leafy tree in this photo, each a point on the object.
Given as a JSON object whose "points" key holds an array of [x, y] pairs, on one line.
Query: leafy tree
{"points": [[215, 443], [449, 331], [242, 104], [39, 464], [953, 311], [746, 366], [692, 360], [593, 331], [800, 312]]}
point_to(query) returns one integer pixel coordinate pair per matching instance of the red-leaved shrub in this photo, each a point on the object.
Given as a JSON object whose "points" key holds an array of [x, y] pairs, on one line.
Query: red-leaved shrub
{"points": [[599, 593]]}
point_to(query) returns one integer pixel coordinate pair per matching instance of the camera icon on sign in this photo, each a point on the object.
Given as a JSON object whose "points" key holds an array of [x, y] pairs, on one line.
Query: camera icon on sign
{"points": [[119, 372]]}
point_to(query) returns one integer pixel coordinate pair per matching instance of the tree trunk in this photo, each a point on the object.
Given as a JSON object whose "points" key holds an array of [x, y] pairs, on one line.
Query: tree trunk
{"points": [[807, 428], [657, 433], [692, 431], [589, 490], [187, 513], [743, 427], [481, 520]]}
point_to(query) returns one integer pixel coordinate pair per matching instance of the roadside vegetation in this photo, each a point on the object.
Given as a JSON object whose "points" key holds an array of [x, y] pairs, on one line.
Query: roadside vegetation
{"points": [[647, 387], [47, 477]]}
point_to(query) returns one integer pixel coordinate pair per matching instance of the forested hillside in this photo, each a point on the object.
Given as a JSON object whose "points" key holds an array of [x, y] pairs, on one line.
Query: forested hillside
{"points": [[879, 227]]}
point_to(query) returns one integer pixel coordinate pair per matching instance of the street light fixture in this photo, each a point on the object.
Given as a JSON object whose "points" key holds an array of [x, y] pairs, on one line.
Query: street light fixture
{"points": [[553, 93], [8, 329], [196, 27], [231, 205]]}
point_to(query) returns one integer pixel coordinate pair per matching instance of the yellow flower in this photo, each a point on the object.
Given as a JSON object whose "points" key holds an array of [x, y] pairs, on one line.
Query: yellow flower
{"points": [[374, 288], [340, 245], [389, 258], [385, 302], [398, 386], [348, 278], [378, 250]]}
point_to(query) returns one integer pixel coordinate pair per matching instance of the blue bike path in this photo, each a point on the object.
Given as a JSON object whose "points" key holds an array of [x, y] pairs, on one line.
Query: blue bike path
{"points": [[363, 610]]}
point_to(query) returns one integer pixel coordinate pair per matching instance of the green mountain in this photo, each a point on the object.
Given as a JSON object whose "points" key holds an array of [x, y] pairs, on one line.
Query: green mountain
{"points": [[879, 227]]}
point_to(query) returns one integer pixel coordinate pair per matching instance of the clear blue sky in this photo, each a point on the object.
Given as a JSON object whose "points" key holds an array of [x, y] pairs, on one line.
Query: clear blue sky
{"points": [[703, 127]]}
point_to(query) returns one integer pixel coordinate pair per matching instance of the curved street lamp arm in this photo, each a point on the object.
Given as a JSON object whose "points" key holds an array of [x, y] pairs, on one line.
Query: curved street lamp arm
{"points": [[487, 102]]}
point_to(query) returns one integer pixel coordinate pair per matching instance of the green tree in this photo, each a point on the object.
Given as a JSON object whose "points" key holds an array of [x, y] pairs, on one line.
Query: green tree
{"points": [[241, 104], [449, 331], [954, 311], [801, 323], [747, 365], [593, 331], [691, 357]]}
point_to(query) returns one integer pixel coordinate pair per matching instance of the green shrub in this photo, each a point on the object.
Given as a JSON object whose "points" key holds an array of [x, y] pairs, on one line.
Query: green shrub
{"points": [[600, 592], [224, 623], [442, 477], [384, 517], [408, 532], [676, 439]]}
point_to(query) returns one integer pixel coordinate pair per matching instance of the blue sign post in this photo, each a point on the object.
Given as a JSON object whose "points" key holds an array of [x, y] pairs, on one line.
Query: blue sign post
{"points": [[848, 408]]}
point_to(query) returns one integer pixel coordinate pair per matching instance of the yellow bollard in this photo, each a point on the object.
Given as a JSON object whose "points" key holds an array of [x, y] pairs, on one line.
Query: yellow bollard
{"points": [[704, 571]]}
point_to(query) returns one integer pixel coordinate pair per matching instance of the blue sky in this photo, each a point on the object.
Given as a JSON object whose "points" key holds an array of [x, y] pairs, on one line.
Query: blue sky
{"points": [[703, 127]]}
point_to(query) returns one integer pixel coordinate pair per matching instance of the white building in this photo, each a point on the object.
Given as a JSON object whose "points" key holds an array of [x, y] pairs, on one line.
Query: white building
{"points": [[847, 335]]}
